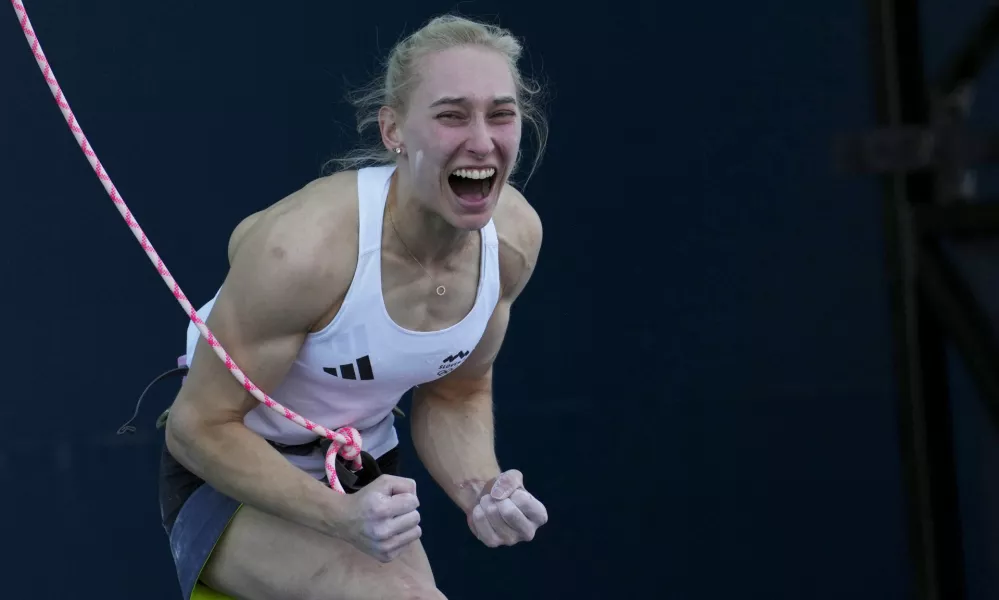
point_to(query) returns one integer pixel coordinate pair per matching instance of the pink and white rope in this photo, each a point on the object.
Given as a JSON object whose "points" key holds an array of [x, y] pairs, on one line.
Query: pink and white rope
{"points": [[345, 441]]}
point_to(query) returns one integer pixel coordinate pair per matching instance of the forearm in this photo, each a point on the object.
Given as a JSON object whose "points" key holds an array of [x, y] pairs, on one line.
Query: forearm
{"points": [[454, 440], [241, 464]]}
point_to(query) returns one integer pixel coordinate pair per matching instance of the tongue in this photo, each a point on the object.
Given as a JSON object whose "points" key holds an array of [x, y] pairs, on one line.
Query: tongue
{"points": [[470, 190]]}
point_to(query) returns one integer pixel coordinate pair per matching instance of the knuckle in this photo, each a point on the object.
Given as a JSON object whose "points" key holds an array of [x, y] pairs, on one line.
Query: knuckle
{"points": [[368, 530]]}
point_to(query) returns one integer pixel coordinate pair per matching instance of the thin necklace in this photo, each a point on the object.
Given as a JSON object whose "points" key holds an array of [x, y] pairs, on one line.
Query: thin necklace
{"points": [[440, 288]]}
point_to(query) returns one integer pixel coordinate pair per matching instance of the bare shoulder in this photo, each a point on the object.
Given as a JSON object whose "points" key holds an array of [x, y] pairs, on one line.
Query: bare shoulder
{"points": [[326, 199], [304, 244], [518, 227]]}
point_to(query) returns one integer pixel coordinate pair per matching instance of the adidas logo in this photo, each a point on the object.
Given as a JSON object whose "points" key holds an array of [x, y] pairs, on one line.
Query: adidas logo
{"points": [[347, 371]]}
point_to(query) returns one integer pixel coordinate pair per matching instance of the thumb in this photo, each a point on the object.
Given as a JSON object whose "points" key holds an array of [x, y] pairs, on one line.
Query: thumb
{"points": [[506, 484], [390, 485]]}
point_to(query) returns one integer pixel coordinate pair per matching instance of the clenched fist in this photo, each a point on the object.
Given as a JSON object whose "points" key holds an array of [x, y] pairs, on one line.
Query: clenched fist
{"points": [[381, 518], [506, 512]]}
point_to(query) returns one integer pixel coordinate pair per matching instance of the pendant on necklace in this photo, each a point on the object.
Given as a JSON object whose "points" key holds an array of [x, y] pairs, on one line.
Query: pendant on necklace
{"points": [[440, 290]]}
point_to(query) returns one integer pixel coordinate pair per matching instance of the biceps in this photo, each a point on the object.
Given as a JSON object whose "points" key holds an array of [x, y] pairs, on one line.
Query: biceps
{"points": [[211, 389]]}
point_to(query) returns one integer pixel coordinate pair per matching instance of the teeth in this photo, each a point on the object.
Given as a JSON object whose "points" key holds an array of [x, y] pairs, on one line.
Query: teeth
{"points": [[475, 173]]}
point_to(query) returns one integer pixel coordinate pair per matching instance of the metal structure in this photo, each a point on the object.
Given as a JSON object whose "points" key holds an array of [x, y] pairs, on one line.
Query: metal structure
{"points": [[924, 153]]}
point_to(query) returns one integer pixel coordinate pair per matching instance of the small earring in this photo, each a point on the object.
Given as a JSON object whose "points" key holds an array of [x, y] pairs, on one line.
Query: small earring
{"points": [[398, 150]]}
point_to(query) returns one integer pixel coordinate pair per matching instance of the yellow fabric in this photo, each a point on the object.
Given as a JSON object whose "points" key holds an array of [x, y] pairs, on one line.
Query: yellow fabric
{"points": [[203, 592]]}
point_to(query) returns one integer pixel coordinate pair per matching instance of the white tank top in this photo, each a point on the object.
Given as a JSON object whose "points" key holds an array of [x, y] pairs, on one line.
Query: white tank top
{"points": [[354, 371]]}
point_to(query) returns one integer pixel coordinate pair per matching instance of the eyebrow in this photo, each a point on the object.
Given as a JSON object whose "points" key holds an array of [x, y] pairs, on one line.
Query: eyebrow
{"points": [[460, 100]]}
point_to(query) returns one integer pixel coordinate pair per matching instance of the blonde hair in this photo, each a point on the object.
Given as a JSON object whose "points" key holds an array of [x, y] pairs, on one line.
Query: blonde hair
{"points": [[395, 85]]}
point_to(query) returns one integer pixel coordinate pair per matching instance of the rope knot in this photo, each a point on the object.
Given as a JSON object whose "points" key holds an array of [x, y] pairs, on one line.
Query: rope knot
{"points": [[345, 442]]}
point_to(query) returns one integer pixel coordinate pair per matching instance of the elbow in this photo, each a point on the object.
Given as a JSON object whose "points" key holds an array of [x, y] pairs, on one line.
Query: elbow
{"points": [[178, 433], [196, 436], [173, 432], [186, 434]]}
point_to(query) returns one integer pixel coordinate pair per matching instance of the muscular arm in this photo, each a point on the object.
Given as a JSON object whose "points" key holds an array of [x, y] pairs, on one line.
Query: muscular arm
{"points": [[452, 418], [273, 294], [452, 430]]}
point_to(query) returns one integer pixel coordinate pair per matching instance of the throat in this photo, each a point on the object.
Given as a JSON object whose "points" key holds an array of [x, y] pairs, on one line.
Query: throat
{"points": [[422, 235], [468, 189]]}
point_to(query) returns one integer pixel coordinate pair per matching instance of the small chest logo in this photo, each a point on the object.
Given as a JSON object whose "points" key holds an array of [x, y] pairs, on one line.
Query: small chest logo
{"points": [[452, 362], [347, 371]]}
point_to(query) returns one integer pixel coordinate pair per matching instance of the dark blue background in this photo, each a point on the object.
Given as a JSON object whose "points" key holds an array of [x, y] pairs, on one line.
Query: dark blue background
{"points": [[697, 382]]}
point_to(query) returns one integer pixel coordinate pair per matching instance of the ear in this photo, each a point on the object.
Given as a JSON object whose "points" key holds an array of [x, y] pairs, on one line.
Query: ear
{"points": [[389, 125]]}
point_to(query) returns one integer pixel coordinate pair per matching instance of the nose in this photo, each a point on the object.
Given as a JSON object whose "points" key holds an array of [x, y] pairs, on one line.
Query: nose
{"points": [[480, 142]]}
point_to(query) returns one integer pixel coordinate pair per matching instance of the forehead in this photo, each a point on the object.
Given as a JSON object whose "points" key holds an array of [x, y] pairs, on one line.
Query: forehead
{"points": [[469, 72]]}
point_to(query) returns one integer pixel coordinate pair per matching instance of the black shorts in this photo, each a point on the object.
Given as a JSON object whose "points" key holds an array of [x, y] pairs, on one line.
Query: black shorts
{"points": [[195, 514]]}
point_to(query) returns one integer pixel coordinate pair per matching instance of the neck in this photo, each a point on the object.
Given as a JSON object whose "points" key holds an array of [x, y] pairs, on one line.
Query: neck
{"points": [[418, 230]]}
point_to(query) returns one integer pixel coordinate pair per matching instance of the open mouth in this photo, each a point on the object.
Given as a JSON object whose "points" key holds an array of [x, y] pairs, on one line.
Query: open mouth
{"points": [[472, 186]]}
